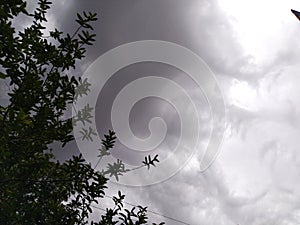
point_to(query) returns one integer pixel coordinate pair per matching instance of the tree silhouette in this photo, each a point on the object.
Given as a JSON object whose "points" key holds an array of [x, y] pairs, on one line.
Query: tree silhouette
{"points": [[35, 188]]}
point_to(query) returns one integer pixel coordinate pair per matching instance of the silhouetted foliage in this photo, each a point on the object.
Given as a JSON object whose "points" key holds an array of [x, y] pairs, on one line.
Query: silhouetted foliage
{"points": [[34, 187]]}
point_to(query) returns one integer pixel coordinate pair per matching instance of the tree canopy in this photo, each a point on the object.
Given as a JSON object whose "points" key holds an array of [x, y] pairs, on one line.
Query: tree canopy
{"points": [[35, 188]]}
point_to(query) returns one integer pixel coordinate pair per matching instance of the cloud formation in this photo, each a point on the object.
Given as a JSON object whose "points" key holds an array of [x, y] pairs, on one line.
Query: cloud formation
{"points": [[255, 178]]}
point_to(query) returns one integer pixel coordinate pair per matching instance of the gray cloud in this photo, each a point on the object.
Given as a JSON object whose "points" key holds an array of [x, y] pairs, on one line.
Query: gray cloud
{"points": [[255, 178]]}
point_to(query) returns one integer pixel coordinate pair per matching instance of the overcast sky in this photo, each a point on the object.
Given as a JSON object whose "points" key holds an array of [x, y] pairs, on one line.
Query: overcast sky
{"points": [[253, 48]]}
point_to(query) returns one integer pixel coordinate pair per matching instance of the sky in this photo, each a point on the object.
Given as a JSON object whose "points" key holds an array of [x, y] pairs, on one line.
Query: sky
{"points": [[253, 49]]}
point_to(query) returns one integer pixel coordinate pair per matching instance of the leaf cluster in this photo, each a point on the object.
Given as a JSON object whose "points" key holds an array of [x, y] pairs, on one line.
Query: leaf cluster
{"points": [[135, 216], [34, 187]]}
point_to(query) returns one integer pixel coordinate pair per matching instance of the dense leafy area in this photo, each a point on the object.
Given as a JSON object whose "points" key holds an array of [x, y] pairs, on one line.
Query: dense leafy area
{"points": [[34, 187]]}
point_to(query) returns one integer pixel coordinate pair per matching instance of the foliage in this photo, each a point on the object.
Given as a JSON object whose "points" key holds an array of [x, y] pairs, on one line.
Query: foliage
{"points": [[135, 216], [34, 187]]}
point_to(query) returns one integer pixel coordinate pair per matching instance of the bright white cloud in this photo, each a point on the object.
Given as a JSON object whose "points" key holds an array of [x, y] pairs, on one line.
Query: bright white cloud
{"points": [[262, 26]]}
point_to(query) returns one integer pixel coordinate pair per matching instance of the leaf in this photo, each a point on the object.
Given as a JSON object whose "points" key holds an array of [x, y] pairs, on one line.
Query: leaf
{"points": [[150, 162], [2, 76]]}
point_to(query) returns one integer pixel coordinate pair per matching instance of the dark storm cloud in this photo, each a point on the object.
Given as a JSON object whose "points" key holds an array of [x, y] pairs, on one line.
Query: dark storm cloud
{"points": [[126, 21], [197, 25], [204, 32]]}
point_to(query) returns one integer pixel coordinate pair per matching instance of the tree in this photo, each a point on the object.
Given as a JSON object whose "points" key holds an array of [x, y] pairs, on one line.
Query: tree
{"points": [[35, 188]]}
